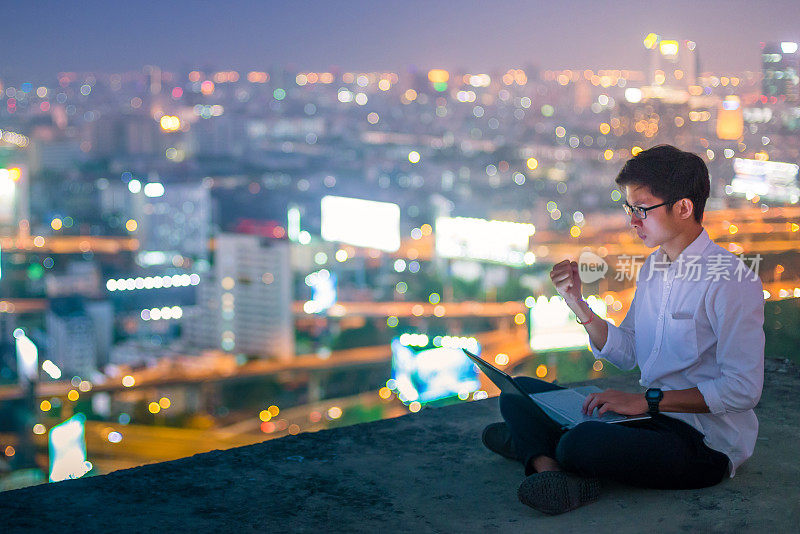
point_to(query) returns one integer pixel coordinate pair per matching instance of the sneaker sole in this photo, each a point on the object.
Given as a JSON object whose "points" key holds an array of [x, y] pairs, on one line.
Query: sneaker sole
{"points": [[556, 492]]}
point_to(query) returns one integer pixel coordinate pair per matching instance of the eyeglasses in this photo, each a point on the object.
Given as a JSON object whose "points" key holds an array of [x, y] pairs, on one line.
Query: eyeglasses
{"points": [[640, 212]]}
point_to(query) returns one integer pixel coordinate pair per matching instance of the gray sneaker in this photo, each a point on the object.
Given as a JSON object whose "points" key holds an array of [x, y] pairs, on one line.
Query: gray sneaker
{"points": [[556, 492], [497, 438]]}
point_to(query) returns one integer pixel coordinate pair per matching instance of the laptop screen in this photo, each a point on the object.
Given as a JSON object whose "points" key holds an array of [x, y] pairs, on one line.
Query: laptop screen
{"points": [[500, 378]]}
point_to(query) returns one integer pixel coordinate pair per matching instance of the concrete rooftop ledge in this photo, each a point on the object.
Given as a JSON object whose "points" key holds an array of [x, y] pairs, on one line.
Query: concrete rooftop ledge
{"points": [[426, 472]]}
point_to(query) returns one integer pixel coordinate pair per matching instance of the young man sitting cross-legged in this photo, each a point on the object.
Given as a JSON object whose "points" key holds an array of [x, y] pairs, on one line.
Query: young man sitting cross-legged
{"points": [[695, 331]]}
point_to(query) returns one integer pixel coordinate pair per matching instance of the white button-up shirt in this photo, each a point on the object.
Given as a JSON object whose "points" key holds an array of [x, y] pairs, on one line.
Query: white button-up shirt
{"points": [[698, 322]]}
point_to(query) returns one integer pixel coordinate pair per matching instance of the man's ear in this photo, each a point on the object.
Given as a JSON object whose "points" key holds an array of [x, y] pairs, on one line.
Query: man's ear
{"points": [[685, 208]]}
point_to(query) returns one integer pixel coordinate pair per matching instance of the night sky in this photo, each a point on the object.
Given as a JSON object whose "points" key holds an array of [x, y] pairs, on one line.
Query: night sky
{"points": [[39, 39]]}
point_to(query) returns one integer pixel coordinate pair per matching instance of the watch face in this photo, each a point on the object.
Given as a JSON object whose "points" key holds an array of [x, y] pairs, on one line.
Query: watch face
{"points": [[652, 395]]}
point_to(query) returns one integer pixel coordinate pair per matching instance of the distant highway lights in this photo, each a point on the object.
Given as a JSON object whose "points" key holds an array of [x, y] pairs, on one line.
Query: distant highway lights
{"points": [[152, 282], [158, 314]]}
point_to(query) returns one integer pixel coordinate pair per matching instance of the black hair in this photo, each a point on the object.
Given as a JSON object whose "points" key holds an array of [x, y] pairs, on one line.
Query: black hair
{"points": [[670, 174]]}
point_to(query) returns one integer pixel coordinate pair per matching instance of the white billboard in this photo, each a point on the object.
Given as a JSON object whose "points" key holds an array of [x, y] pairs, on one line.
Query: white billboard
{"points": [[68, 449], [27, 357], [553, 326], [481, 239], [363, 223], [13, 196], [771, 180]]}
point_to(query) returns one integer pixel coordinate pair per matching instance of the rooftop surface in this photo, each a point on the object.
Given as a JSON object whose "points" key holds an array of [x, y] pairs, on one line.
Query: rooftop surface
{"points": [[425, 472]]}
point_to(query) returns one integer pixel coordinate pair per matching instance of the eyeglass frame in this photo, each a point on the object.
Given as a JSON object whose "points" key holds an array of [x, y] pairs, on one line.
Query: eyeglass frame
{"points": [[631, 210]]}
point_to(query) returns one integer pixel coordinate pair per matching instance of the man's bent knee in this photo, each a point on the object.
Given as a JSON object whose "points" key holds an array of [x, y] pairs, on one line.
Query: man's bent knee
{"points": [[578, 450]]}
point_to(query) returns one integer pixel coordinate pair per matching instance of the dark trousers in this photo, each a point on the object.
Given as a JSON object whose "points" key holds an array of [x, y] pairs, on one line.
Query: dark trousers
{"points": [[661, 452]]}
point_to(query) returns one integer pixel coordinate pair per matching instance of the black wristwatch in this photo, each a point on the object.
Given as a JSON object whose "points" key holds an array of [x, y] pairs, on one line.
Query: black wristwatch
{"points": [[653, 396]]}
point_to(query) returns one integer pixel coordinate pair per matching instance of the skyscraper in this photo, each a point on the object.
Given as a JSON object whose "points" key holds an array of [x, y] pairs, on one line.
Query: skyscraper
{"points": [[780, 64], [173, 219], [79, 334], [245, 306], [671, 63]]}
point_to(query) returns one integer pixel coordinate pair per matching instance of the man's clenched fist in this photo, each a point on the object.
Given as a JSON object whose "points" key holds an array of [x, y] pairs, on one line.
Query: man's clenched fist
{"points": [[567, 281]]}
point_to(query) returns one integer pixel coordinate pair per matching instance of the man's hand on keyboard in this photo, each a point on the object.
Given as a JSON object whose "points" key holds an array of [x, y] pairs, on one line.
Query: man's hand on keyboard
{"points": [[612, 400]]}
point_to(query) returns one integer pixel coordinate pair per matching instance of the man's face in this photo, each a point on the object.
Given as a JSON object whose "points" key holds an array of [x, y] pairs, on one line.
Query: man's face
{"points": [[660, 225]]}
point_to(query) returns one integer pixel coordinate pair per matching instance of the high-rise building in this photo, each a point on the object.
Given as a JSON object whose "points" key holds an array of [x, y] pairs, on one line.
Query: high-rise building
{"points": [[109, 135], [142, 136], [671, 63], [79, 334], [8, 352], [55, 155], [80, 278], [172, 219], [245, 306], [223, 136], [154, 78], [781, 64]]}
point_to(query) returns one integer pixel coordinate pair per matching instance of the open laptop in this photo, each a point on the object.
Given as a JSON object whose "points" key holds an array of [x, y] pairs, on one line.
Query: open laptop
{"points": [[562, 406]]}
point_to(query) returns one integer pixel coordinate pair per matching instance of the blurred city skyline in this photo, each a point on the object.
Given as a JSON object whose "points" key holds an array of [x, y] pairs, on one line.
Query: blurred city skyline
{"points": [[220, 225], [44, 38]]}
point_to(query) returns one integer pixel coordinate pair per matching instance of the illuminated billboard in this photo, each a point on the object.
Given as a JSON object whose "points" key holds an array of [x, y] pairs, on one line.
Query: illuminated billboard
{"points": [[730, 118], [425, 370], [771, 180], [363, 223], [27, 357], [13, 196], [757, 115], [553, 325], [68, 449], [668, 48], [480, 239], [323, 291]]}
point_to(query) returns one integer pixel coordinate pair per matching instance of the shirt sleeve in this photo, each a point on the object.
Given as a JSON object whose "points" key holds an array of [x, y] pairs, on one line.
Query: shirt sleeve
{"points": [[736, 311], [620, 347]]}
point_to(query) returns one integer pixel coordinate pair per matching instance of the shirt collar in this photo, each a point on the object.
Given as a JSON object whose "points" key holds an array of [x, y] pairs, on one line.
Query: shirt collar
{"points": [[695, 248]]}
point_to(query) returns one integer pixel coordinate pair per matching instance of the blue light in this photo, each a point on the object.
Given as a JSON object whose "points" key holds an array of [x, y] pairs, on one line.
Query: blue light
{"points": [[429, 373]]}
